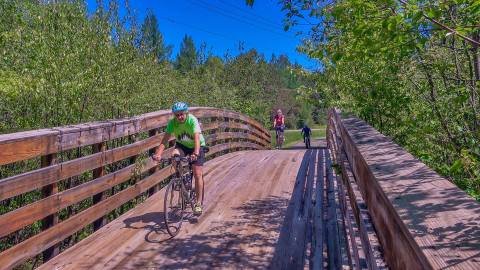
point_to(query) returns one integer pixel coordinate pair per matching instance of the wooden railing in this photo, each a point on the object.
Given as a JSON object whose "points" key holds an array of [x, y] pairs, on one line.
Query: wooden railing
{"points": [[423, 221], [110, 166]]}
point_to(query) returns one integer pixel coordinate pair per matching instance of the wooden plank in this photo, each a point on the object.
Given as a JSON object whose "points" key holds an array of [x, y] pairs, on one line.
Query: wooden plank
{"points": [[361, 216], [30, 213], [345, 258], [225, 146], [29, 181], [212, 112], [234, 125], [333, 245], [301, 230], [318, 224], [284, 253], [297, 233], [36, 244], [26, 145], [422, 220], [351, 232], [238, 135]]}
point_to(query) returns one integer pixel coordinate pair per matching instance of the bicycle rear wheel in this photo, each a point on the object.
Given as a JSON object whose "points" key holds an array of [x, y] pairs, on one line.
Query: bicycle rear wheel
{"points": [[282, 139], [174, 208]]}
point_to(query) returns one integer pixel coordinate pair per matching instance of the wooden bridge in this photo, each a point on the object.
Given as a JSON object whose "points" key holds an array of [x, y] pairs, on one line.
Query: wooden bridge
{"points": [[89, 197]]}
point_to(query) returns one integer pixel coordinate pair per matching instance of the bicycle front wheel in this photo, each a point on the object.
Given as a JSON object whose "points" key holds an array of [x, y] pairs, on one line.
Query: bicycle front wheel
{"points": [[174, 208]]}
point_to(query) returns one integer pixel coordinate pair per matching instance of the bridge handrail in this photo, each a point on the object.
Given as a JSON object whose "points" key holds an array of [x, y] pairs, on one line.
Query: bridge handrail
{"points": [[423, 220], [224, 131]]}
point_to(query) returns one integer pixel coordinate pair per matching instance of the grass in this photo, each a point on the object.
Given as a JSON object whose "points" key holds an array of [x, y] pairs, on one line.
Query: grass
{"points": [[294, 136]]}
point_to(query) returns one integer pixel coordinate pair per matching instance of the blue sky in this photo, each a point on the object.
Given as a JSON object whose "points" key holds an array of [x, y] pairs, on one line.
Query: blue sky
{"points": [[222, 24]]}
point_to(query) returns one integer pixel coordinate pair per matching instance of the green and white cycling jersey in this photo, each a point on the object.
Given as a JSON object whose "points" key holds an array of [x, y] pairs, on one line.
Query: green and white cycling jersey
{"points": [[184, 132]]}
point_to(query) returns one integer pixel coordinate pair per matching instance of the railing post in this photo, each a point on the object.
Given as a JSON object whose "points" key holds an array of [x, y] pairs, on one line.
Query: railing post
{"points": [[51, 220], [154, 189], [99, 172]]}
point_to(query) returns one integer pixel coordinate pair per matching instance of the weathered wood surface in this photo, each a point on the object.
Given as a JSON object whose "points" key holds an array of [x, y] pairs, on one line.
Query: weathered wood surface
{"points": [[258, 207], [423, 221]]}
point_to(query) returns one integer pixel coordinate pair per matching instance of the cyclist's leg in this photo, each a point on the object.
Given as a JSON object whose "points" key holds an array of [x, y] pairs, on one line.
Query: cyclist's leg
{"points": [[277, 140], [197, 168], [198, 174], [282, 135]]}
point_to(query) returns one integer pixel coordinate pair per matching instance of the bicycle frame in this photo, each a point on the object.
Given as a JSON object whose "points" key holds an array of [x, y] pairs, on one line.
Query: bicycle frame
{"points": [[306, 139], [179, 193], [184, 177]]}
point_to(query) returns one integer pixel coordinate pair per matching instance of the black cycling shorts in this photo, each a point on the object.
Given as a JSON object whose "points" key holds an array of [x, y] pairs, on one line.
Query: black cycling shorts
{"points": [[188, 151]]}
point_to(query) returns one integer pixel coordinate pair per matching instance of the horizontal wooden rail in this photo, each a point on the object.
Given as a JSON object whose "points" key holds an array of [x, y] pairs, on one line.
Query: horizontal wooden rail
{"points": [[224, 131], [30, 144], [422, 220]]}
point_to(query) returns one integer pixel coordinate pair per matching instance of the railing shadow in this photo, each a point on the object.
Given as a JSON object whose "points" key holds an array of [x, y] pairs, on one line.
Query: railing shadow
{"points": [[284, 255], [153, 222]]}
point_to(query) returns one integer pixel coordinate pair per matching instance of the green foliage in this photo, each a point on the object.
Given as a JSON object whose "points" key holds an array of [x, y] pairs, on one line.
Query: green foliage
{"points": [[151, 40], [187, 58], [62, 66], [396, 66]]}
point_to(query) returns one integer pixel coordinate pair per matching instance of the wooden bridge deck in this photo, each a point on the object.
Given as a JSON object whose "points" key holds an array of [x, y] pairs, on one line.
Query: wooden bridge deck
{"points": [[259, 213]]}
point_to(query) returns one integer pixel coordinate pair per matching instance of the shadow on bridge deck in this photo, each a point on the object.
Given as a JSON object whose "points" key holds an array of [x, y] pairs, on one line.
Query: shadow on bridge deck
{"points": [[263, 209]]}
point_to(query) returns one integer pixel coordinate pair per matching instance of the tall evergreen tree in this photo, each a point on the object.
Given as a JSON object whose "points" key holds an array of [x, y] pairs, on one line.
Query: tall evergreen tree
{"points": [[151, 40], [187, 59]]}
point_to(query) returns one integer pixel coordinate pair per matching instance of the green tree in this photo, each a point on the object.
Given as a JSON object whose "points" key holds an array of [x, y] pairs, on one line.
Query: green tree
{"points": [[410, 68], [187, 58], [151, 40]]}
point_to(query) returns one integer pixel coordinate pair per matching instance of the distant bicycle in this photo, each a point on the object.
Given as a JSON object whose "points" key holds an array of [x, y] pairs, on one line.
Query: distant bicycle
{"points": [[307, 142], [306, 132], [279, 135], [179, 193]]}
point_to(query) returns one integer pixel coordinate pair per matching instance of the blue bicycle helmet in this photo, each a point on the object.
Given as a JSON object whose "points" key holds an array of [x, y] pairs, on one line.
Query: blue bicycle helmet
{"points": [[179, 106]]}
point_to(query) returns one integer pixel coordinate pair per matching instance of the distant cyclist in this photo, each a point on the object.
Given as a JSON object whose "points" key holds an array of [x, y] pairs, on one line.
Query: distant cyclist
{"points": [[306, 132], [279, 126], [189, 141]]}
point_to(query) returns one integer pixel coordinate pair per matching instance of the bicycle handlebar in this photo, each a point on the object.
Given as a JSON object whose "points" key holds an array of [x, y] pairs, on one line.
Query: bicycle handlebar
{"points": [[177, 159]]}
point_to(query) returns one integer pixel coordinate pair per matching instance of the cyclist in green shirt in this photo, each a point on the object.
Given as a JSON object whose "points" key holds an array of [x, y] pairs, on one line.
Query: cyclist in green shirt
{"points": [[189, 141]]}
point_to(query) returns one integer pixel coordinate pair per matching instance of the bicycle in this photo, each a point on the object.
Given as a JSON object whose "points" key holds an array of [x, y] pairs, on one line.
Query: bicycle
{"points": [[307, 141], [279, 137], [179, 193]]}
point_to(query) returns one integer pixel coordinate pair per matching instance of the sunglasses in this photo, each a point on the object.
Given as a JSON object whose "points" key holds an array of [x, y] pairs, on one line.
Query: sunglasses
{"points": [[180, 114]]}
